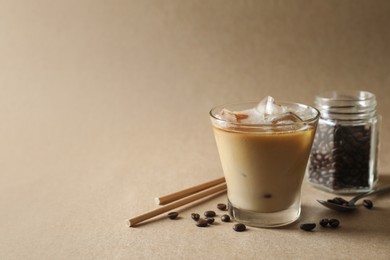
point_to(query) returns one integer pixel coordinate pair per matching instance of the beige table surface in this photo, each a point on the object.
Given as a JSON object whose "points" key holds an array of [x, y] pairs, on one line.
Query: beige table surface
{"points": [[104, 106]]}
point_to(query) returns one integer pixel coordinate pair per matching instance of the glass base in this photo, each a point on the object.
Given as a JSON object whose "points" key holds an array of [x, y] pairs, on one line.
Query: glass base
{"points": [[266, 220]]}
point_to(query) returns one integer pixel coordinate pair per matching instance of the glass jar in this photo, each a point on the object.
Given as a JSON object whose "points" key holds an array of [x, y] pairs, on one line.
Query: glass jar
{"points": [[345, 149]]}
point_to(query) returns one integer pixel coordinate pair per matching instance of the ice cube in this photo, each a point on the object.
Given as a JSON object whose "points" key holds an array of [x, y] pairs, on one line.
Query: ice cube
{"points": [[268, 107], [286, 118], [227, 115], [305, 113], [266, 112], [232, 116]]}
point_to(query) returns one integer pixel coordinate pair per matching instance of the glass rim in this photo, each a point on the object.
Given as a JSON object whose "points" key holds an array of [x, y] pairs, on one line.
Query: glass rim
{"points": [[312, 119], [341, 95]]}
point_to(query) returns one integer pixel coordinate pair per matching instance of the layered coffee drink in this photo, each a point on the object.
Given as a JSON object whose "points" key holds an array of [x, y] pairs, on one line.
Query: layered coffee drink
{"points": [[264, 150]]}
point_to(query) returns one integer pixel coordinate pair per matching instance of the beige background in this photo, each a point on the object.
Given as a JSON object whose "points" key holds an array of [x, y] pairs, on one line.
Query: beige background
{"points": [[104, 105]]}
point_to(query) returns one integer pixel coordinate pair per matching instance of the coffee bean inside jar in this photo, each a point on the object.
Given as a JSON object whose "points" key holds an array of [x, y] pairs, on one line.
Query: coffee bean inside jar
{"points": [[344, 153]]}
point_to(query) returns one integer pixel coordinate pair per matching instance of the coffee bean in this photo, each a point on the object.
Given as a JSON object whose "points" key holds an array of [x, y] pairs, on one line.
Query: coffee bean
{"points": [[239, 227], [334, 223], [225, 218], [210, 214], [332, 201], [324, 222], [308, 226], [221, 206], [210, 220], [173, 215], [195, 216], [368, 204], [340, 201], [340, 156], [202, 222]]}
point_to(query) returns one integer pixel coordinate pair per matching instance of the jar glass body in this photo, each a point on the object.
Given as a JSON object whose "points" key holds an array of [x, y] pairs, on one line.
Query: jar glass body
{"points": [[345, 149]]}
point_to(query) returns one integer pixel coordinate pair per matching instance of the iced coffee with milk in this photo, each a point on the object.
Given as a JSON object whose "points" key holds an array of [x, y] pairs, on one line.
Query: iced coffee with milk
{"points": [[264, 149]]}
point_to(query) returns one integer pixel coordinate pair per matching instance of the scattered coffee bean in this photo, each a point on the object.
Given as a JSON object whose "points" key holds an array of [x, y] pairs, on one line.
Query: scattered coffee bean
{"points": [[368, 204], [324, 222], [202, 222], [239, 227], [173, 215], [221, 206], [195, 216], [225, 218], [210, 220], [334, 223], [308, 226], [210, 214]]}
